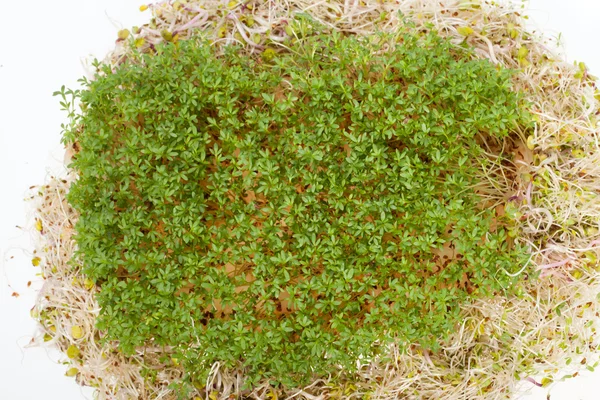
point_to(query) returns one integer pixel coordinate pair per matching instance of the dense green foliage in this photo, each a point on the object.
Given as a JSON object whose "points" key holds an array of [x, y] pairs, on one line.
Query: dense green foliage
{"points": [[289, 214]]}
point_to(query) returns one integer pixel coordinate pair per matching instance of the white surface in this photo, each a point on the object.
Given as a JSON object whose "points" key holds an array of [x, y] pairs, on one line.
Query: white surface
{"points": [[41, 45]]}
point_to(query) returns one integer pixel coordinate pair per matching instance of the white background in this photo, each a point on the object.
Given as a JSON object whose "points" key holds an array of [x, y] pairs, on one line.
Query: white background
{"points": [[41, 47]]}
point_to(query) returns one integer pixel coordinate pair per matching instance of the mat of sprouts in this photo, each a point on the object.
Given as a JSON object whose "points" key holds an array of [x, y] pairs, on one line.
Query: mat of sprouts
{"points": [[549, 187]]}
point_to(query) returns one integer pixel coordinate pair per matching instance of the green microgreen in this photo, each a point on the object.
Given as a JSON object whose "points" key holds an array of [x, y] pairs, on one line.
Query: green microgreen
{"points": [[290, 214]]}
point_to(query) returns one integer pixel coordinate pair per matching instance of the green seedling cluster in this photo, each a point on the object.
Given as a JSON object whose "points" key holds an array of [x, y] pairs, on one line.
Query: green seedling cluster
{"points": [[290, 215]]}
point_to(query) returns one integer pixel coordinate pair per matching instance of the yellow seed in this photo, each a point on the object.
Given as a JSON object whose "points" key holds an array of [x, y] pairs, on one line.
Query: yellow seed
{"points": [[577, 153], [143, 7], [73, 352], [546, 381], [139, 42], [349, 389], [198, 385], [168, 36], [72, 372], [213, 395], [469, 4], [88, 283], [523, 52], [272, 395], [530, 144], [35, 261], [47, 337], [465, 30], [123, 34], [268, 54], [232, 4], [76, 332], [38, 225], [512, 32]]}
